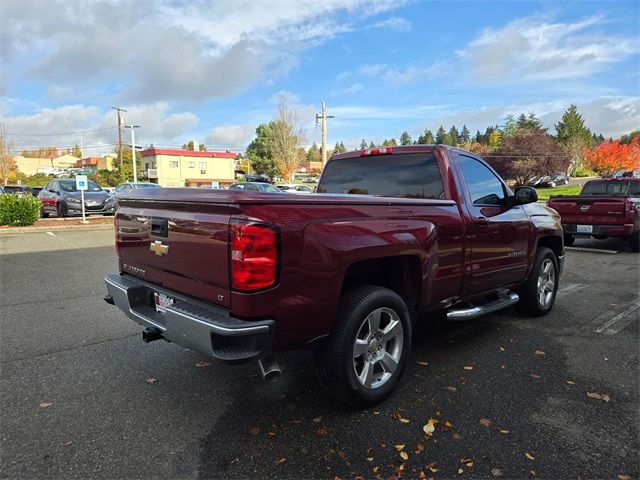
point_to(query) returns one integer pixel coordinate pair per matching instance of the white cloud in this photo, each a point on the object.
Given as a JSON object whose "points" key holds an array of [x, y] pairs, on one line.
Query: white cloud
{"points": [[394, 23], [350, 90], [232, 136], [56, 92], [534, 49]]}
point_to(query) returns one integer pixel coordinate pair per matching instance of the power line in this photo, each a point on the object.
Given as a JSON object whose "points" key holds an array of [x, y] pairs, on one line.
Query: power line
{"points": [[59, 134]]}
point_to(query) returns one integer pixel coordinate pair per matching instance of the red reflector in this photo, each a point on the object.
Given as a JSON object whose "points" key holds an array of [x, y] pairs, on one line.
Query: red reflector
{"points": [[376, 151], [115, 229], [254, 257]]}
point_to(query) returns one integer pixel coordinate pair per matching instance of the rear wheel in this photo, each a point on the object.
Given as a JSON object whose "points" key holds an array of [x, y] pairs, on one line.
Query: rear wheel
{"points": [[634, 242], [569, 240], [538, 294], [367, 350], [61, 210]]}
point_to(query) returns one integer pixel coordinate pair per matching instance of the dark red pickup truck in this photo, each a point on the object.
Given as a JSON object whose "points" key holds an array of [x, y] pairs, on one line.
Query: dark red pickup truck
{"points": [[605, 208], [392, 236]]}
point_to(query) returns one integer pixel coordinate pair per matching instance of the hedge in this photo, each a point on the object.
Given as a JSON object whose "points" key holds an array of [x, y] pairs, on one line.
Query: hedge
{"points": [[19, 210]]}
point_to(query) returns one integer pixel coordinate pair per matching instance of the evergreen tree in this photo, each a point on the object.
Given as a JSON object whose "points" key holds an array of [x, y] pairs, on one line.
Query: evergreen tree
{"points": [[511, 125], [440, 135], [426, 138], [313, 155], [465, 135], [390, 143], [529, 123], [339, 148], [454, 136], [372, 144], [363, 144], [405, 138], [571, 127], [478, 137]]}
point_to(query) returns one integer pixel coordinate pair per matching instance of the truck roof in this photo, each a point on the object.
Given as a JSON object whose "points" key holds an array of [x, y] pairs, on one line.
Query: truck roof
{"points": [[393, 149]]}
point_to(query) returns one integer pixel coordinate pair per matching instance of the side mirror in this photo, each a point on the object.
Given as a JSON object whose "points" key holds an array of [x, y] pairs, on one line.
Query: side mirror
{"points": [[524, 195]]}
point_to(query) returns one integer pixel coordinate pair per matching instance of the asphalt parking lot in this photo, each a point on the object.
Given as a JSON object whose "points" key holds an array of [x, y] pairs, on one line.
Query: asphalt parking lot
{"points": [[83, 397]]}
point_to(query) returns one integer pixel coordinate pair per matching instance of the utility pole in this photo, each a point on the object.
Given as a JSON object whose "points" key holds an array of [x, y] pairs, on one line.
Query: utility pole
{"points": [[133, 151], [118, 109], [81, 152], [322, 118]]}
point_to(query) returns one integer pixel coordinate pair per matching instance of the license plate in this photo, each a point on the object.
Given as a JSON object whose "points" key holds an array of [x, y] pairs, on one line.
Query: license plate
{"points": [[162, 302], [585, 228]]}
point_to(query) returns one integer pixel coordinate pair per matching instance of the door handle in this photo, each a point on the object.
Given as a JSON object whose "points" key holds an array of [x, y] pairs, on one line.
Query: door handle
{"points": [[481, 221]]}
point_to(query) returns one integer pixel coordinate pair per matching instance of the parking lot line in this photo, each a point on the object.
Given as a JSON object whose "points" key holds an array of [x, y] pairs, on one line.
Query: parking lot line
{"points": [[569, 288], [620, 321], [595, 250]]}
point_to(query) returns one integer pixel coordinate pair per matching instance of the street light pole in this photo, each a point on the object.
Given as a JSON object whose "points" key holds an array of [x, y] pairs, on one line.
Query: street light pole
{"points": [[133, 151]]}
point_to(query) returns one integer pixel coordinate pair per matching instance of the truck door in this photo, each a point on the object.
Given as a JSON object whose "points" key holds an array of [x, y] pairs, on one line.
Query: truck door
{"points": [[498, 235]]}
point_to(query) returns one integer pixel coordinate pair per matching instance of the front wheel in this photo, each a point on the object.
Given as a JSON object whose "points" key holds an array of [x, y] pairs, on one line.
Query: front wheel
{"points": [[538, 293], [634, 242], [367, 350]]}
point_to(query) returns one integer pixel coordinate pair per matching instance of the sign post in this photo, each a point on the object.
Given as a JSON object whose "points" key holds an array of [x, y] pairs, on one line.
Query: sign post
{"points": [[82, 185]]}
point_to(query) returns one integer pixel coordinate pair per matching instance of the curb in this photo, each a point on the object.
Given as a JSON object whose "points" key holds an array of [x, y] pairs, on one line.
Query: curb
{"points": [[64, 228]]}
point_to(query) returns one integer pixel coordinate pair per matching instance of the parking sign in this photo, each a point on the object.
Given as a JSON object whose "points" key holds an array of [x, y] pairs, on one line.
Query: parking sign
{"points": [[81, 182]]}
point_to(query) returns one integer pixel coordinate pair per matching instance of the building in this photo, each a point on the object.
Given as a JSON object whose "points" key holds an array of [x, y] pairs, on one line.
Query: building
{"points": [[33, 165], [104, 162], [187, 168]]}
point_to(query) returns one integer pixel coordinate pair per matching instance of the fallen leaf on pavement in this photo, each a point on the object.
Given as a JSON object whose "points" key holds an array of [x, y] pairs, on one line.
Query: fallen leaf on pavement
{"points": [[424, 364], [321, 432], [430, 427], [421, 474], [271, 434], [404, 455], [599, 396], [44, 404], [570, 382], [532, 472], [152, 380], [460, 471], [540, 352], [452, 388], [255, 430], [448, 424], [504, 431], [486, 422], [419, 448], [376, 470], [369, 459], [501, 348], [468, 367], [621, 476], [456, 436], [281, 461], [534, 375], [315, 420], [496, 472], [202, 364], [370, 450], [529, 456], [342, 455], [398, 447], [68, 444]]}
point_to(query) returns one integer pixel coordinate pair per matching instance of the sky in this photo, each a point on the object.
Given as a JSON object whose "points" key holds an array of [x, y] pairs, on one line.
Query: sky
{"points": [[211, 71]]}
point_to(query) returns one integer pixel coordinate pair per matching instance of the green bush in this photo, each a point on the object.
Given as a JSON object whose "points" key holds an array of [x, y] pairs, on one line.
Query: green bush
{"points": [[19, 210], [584, 172]]}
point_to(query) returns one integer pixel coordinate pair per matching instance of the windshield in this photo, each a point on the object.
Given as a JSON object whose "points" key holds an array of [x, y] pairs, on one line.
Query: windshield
{"points": [[145, 185], [71, 187], [611, 188], [411, 175], [264, 187]]}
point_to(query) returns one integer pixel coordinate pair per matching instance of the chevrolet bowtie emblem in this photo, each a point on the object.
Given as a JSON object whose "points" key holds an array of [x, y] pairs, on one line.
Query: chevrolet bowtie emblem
{"points": [[158, 248]]}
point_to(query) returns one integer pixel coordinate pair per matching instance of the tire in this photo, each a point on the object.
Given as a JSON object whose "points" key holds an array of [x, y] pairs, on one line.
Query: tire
{"points": [[538, 293], [61, 210], [634, 242], [43, 214], [344, 376], [569, 240]]}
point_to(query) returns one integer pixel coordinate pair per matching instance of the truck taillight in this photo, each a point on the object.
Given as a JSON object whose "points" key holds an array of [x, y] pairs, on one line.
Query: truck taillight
{"points": [[376, 151], [117, 238], [254, 256]]}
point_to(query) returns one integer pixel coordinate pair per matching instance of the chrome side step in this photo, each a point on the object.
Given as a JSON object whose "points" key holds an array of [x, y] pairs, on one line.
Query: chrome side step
{"points": [[470, 313]]}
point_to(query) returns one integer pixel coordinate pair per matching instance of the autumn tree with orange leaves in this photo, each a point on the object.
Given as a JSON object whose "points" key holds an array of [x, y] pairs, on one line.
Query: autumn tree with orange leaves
{"points": [[611, 156]]}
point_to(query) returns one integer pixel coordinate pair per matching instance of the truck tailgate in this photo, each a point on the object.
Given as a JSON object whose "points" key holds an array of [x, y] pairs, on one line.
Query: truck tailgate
{"points": [[590, 210], [181, 247]]}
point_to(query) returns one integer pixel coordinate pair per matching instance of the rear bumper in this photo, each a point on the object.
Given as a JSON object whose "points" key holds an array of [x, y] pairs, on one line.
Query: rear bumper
{"points": [[193, 324], [623, 230]]}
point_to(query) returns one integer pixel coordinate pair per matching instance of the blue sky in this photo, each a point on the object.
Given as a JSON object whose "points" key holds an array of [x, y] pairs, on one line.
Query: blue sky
{"points": [[211, 71]]}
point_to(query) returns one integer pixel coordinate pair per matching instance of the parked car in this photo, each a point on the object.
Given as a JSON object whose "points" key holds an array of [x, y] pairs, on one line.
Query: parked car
{"points": [[61, 198], [554, 180], [605, 208], [35, 191], [294, 188], [535, 181], [128, 187], [1, 189], [422, 228], [256, 178], [17, 189], [255, 187]]}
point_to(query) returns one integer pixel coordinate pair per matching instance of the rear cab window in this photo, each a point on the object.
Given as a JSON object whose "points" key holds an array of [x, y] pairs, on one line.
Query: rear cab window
{"points": [[611, 187], [407, 175]]}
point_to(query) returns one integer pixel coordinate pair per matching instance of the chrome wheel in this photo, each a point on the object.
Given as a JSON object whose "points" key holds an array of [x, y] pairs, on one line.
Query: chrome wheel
{"points": [[546, 283], [378, 347]]}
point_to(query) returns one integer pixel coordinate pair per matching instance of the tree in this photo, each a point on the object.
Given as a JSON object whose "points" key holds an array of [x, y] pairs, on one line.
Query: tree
{"points": [[573, 135], [529, 123], [363, 144], [441, 135], [454, 136], [202, 147], [313, 155], [405, 138], [339, 148], [426, 138], [7, 163], [495, 138], [390, 143], [626, 139], [465, 135], [286, 137], [527, 154], [511, 125], [125, 171], [259, 152], [611, 156], [372, 144]]}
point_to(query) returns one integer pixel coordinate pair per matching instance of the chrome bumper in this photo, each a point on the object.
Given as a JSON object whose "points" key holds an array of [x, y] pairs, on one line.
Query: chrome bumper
{"points": [[193, 324]]}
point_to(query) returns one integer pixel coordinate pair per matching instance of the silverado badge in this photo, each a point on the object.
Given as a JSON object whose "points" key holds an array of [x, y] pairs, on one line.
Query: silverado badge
{"points": [[158, 248]]}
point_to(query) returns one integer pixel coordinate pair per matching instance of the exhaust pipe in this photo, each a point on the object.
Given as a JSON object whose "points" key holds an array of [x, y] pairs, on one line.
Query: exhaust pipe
{"points": [[269, 368]]}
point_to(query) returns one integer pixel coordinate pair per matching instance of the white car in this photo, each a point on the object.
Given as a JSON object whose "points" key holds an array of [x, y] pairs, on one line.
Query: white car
{"points": [[294, 188]]}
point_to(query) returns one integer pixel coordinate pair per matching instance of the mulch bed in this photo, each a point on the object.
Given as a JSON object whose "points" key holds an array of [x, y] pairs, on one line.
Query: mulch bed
{"points": [[65, 222]]}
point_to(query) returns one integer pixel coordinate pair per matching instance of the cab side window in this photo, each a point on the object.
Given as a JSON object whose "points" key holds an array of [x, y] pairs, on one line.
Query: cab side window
{"points": [[484, 187]]}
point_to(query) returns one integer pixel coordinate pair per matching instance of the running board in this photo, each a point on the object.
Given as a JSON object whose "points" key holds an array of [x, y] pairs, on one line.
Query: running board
{"points": [[470, 313]]}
